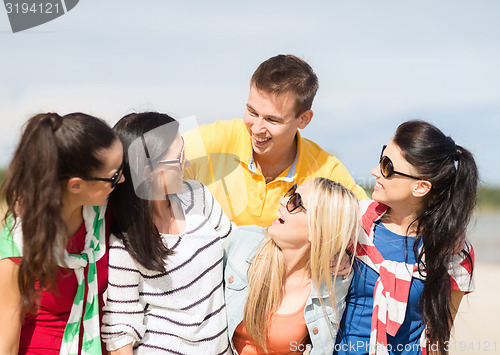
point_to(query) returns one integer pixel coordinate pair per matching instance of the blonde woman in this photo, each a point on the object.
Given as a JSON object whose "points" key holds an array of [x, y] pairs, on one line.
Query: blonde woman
{"points": [[281, 296]]}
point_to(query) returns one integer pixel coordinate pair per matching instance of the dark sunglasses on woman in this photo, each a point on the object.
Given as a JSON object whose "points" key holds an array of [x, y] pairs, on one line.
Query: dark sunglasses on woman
{"points": [[387, 167], [294, 200], [113, 180]]}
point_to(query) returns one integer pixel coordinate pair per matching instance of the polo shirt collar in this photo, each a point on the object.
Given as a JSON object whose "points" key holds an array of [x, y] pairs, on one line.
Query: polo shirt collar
{"points": [[291, 171]]}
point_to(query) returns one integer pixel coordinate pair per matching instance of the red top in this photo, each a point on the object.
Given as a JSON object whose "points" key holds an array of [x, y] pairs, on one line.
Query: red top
{"points": [[42, 333]]}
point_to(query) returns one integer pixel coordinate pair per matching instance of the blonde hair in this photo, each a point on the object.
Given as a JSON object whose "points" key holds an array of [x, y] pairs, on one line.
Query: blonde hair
{"points": [[333, 225]]}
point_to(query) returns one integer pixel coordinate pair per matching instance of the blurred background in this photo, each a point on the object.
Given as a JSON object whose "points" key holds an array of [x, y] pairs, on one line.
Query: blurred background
{"points": [[379, 63]]}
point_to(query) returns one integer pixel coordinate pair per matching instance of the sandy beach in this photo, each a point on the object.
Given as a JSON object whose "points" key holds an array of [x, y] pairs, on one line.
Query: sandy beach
{"points": [[477, 328]]}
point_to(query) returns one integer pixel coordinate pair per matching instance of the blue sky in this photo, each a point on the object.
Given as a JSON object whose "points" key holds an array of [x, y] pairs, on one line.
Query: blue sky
{"points": [[379, 63]]}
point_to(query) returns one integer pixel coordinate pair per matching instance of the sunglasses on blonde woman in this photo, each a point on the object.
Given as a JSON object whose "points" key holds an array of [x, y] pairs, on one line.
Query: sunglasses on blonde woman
{"points": [[294, 200], [387, 167]]}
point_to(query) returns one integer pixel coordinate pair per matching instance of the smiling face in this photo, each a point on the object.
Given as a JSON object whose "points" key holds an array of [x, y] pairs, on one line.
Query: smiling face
{"points": [[272, 122], [96, 192], [396, 190], [291, 229]]}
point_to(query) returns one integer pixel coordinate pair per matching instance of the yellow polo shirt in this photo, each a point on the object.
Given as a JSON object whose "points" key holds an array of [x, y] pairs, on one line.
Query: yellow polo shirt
{"points": [[221, 158]]}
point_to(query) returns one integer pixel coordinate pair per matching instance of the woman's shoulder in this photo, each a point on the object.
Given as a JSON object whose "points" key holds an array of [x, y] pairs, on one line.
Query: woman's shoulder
{"points": [[245, 239], [241, 248], [251, 233], [193, 184], [192, 190], [364, 205], [371, 210], [195, 197], [115, 242]]}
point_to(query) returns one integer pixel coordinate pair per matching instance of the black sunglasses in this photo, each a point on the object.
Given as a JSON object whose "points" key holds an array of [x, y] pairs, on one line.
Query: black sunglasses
{"points": [[387, 168], [294, 200], [113, 180]]}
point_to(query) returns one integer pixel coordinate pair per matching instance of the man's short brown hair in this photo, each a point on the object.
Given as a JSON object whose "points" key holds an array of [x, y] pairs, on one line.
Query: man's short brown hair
{"points": [[287, 73]]}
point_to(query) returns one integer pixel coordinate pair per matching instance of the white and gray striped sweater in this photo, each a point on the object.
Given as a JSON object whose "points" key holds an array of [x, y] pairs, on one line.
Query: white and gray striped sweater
{"points": [[182, 310]]}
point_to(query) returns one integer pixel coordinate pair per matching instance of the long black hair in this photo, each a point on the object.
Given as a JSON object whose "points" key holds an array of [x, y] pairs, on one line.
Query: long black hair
{"points": [[442, 223], [131, 211], [52, 148]]}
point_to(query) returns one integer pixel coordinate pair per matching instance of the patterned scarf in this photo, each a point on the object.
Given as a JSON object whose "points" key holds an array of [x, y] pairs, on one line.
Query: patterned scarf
{"points": [[11, 245], [390, 296]]}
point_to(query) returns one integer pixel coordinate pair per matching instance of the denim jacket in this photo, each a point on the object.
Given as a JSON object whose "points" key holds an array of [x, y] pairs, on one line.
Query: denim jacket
{"points": [[240, 249]]}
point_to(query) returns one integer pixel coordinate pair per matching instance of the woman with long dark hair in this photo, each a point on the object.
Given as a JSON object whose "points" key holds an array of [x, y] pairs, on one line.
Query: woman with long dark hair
{"points": [[53, 247], [413, 263], [165, 290]]}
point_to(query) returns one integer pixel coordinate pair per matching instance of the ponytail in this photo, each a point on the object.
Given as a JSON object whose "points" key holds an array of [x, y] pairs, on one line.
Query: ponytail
{"points": [[466, 182], [49, 149], [33, 192], [442, 224]]}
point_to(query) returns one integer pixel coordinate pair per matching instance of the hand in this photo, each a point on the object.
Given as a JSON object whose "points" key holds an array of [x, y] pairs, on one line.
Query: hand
{"points": [[345, 266]]}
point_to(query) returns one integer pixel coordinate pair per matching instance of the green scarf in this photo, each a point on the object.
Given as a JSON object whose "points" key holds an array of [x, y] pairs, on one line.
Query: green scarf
{"points": [[11, 245]]}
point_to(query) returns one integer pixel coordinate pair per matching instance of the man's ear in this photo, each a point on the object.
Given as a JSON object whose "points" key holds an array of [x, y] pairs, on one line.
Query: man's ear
{"points": [[305, 119], [421, 188], [74, 185]]}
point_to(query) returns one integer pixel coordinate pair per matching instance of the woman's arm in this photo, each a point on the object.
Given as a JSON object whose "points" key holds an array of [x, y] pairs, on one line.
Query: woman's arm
{"points": [[126, 350], [11, 306], [123, 319], [216, 216], [456, 298]]}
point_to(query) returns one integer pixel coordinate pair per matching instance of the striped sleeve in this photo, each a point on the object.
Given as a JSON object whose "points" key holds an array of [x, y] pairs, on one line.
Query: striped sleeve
{"points": [[460, 270], [123, 314], [215, 215]]}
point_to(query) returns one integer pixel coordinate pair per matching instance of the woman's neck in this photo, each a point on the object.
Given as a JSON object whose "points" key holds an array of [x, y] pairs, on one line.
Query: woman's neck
{"points": [[296, 262], [297, 281], [160, 207], [399, 220], [167, 216], [73, 216]]}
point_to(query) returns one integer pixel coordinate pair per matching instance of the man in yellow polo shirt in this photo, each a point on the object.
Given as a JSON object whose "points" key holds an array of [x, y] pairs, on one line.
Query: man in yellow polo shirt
{"points": [[249, 164]]}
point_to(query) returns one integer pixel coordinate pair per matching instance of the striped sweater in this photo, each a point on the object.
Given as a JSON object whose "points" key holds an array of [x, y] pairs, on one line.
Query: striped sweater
{"points": [[182, 310]]}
